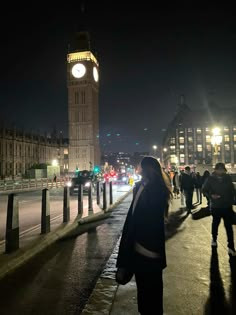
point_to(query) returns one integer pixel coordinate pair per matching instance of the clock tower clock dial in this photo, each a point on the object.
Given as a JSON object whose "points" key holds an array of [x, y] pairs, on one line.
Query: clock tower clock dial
{"points": [[95, 74], [78, 70]]}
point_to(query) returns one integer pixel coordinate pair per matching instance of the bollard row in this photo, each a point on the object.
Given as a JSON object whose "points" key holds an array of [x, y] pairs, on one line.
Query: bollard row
{"points": [[12, 224]]}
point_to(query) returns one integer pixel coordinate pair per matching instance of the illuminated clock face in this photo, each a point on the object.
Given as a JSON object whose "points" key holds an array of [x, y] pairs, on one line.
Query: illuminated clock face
{"points": [[78, 70], [95, 74]]}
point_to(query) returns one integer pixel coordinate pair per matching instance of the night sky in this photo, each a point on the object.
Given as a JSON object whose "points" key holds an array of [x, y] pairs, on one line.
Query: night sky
{"points": [[148, 57]]}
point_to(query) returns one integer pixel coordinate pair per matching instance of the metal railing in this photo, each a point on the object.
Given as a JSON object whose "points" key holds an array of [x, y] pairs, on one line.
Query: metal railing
{"points": [[27, 184]]}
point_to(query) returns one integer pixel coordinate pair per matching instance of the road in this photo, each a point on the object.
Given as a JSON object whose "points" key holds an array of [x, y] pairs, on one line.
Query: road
{"points": [[60, 280], [30, 207]]}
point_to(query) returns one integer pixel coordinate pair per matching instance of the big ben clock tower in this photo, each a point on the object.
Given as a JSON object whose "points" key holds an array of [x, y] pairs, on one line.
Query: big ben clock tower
{"points": [[83, 115]]}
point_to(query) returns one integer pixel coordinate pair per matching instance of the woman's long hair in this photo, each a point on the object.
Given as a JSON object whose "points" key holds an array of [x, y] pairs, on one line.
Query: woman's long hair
{"points": [[152, 169]]}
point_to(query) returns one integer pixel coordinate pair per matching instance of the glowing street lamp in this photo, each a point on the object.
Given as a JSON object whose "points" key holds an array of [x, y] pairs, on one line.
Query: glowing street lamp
{"points": [[216, 140], [54, 162], [154, 149]]}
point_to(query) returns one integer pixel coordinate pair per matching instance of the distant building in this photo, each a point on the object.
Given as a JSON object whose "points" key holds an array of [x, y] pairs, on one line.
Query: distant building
{"points": [[121, 160], [188, 139], [21, 150]]}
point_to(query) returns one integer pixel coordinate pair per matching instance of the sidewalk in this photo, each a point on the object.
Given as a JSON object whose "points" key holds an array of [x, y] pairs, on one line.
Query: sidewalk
{"points": [[196, 281]]}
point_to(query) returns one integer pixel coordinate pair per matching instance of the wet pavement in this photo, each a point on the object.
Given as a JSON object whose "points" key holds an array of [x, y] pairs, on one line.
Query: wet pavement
{"points": [[60, 280], [197, 280]]}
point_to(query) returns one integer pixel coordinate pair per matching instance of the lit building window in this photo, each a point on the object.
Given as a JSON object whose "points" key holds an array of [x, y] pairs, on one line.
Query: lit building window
{"points": [[226, 129], [234, 147], [190, 130], [234, 138], [181, 131], [172, 147], [172, 140], [173, 158], [208, 147], [199, 130], [234, 128], [227, 147], [181, 139], [199, 148], [226, 138], [208, 139], [181, 147], [190, 139], [207, 129]]}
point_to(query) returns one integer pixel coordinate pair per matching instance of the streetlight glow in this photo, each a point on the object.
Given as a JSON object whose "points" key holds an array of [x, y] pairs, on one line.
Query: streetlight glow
{"points": [[216, 141], [216, 131], [54, 163], [154, 147]]}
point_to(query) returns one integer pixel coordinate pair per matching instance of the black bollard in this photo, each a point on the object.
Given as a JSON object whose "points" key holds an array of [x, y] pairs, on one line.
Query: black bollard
{"points": [[90, 200], [98, 193], [66, 204], [45, 216], [80, 199], [12, 228], [104, 196], [111, 195]]}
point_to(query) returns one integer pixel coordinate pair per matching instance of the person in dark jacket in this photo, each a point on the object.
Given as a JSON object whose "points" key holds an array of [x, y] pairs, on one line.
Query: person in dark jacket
{"points": [[142, 246], [220, 190], [187, 187], [205, 176]]}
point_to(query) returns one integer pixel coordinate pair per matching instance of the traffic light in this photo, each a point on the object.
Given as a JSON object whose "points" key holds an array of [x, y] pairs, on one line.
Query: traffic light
{"points": [[96, 169]]}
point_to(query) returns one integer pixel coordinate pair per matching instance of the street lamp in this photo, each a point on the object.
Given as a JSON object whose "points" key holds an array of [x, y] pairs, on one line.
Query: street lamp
{"points": [[216, 140], [54, 162], [154, 149]]}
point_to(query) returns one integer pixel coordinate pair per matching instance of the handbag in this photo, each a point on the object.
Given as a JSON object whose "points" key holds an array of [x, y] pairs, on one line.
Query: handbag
{"points": [[123, 275]]}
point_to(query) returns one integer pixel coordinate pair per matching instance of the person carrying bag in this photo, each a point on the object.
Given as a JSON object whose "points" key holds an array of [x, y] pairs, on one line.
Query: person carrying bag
{"points": [[142, 247]]}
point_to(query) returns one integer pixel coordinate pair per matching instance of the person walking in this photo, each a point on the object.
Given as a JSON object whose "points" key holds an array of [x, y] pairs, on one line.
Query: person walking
{"points": [[220, 191], [187, 186], [142, 246], [176, 184]]}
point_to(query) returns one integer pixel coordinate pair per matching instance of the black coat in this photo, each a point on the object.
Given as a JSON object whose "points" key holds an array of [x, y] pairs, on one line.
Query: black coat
{"points": [[145, 226], [222, 186]]}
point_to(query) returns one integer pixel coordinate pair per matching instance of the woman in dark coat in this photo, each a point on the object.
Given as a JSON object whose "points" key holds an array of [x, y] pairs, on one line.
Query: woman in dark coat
{"points": [[142, 247]]}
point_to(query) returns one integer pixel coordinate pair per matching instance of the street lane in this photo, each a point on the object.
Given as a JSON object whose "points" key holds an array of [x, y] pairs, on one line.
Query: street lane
{"points": [[30, 207]]}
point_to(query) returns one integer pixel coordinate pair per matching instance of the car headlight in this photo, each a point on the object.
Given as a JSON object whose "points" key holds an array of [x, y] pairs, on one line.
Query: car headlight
{"points": [[68, 184], [87, 184]]}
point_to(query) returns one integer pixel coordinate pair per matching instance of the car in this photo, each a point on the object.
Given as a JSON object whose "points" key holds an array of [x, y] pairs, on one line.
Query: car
{"points": [[86, 178]]}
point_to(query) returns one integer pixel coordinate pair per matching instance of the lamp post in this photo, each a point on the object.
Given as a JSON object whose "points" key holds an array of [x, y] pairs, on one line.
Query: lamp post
{"points": [[216, 140], [154, 147]]}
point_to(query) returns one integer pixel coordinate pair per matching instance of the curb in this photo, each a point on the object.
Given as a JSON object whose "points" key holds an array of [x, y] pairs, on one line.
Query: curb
{"points": [[102, 297], [103, 214], [22, 256]]}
